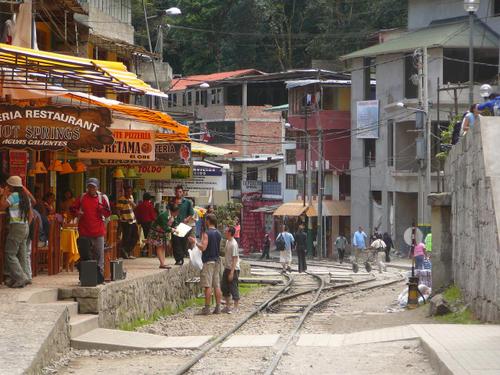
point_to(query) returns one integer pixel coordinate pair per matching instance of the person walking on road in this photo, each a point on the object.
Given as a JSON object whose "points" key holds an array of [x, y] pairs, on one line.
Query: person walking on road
{"points": [[301, 246], [209, 276], [145, 214], [230, 277], [92, 209], [185, 215], [380, 246], [341, 244], [266, 247], [128, 224], [284, 243], [419, 256], [17, 199], [388, 246], [359, 242]]}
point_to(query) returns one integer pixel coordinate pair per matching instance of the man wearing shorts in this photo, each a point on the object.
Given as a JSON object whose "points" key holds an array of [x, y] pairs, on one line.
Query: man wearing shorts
{"points": [[229, 284], [209, 276]]}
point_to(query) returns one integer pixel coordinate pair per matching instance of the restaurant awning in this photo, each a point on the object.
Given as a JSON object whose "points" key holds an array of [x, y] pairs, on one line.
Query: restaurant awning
{"points": [[330, 208], [69, 71], [290, 209], [177, 132], [204, 149]]}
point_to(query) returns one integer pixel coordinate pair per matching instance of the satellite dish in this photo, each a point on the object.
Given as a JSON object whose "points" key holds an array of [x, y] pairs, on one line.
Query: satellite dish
{"points": [[408, 233]]}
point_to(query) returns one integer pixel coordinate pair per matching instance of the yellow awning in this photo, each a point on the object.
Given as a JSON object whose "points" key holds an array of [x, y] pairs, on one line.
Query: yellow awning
{"points": [[204, 149], [330, 208], [77, 72], [179, 132], [290, 209]]}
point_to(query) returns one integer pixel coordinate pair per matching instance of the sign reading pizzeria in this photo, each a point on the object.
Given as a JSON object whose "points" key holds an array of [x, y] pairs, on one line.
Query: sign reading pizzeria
{"points": [[130, 145], [54, 127], [173, 153]]}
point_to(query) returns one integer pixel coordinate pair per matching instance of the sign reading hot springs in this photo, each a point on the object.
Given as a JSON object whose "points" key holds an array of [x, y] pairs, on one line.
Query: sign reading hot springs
{"points": [[131, 145], [54, 127]]}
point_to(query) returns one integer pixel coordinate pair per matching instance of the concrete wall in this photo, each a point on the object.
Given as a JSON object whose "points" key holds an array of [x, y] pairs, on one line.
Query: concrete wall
{"points": [[473, 178]]}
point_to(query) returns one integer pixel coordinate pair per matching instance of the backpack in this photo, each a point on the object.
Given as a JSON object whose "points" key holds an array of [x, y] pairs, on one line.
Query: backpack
{"points": [[280, 243]]}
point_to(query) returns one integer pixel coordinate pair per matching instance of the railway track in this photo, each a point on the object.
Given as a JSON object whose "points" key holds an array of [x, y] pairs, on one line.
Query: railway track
{"points": [[300, 297]]}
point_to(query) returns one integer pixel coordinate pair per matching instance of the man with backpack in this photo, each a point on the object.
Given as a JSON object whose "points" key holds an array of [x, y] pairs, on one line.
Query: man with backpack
{"points": [[92, 209], [284, 243]]}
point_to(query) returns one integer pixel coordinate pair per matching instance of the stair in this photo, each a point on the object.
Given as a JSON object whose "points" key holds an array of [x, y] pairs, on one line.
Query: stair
{"points": [[38, 296], [71, 305], [83, 323]]}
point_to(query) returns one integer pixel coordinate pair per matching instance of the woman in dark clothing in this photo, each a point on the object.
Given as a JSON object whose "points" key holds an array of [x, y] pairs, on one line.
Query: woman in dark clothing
{"points": [[388, 246]]}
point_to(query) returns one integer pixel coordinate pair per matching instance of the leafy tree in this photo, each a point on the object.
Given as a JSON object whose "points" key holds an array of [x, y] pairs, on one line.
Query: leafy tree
{"points": [[226, 214]]}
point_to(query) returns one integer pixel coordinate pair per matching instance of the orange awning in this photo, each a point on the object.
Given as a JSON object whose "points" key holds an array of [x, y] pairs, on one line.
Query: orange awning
{"points": [[178, 131]]}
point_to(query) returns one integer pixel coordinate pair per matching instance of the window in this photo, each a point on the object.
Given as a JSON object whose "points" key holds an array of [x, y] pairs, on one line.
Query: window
{"points": [[252, 174], [390, 143], [411, 89], [189, 98], [183, 99], [496, 8], [291, 181], [204, 98], [344, 186], [197, 101], [369, 152], [222, 132], [369, 71], [234, 95], [454, 70], [213, 96], [291, 158], [272, 174]]}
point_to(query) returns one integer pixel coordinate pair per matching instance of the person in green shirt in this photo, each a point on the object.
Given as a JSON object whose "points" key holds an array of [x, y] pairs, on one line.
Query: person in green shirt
{"points": [[428, 243], [161, 232], [186, 212]]}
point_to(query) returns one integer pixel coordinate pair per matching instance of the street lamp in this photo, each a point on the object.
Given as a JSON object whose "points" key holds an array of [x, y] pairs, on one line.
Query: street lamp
{"points": [[204, 85], [471, 6], [485, 91], [169, 12]]}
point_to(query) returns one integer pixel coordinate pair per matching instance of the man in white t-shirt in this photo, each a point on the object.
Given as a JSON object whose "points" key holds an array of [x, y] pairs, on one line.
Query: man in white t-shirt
{"points": [[230, 283]]}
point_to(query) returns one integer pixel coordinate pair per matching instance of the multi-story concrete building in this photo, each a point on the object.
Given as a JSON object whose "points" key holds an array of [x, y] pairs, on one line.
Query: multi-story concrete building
{"points": [[384, 165]]}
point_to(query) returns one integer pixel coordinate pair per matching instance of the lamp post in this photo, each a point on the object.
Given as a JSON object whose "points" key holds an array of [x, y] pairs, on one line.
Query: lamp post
{"points": [[168, 12], [471, 7]]}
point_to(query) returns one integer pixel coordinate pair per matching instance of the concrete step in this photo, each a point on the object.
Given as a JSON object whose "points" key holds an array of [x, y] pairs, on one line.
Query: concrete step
{"points": [[116, 340], [38, 296], [71, 305], [83, 323]]}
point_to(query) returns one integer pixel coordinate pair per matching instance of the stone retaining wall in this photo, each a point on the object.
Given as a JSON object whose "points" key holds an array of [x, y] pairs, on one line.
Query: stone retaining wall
{"points": [[474, 186], [124, 301]]}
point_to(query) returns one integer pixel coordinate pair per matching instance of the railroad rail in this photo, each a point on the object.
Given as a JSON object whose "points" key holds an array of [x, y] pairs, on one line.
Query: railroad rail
{"points": [[291, 290]]}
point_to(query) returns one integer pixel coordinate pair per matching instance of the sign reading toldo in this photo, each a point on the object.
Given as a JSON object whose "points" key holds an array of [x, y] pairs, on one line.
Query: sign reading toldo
{"points": [[131, 145], [153, 172], [54, 127]]}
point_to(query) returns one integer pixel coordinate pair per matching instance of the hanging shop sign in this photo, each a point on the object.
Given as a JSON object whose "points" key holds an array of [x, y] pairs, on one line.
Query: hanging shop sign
{"points": [[174, 153], [206, 171], [54, 127], [152, 172], [367, 119], [130, 145], [18, 163]]}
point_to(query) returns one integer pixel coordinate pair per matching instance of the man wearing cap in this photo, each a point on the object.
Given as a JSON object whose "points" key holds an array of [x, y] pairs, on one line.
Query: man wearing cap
{"points": [[125, 207], [92, 208]]}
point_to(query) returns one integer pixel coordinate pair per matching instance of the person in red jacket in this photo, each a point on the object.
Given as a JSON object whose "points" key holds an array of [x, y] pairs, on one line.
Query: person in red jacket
{"points": [[145, 214], [92, 209]]}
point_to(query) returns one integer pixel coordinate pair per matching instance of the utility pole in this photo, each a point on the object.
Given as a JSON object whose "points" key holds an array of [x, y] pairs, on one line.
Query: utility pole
{"points": [[420, 138], [320, 193], [304, 168], [428, 133], [370, 197], [471, 59]]}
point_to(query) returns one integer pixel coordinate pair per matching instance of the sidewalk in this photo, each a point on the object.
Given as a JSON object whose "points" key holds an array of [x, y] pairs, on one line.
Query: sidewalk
{"points": [[452, 348]]}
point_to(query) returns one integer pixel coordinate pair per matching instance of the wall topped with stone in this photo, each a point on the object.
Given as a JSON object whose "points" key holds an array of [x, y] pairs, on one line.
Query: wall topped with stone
{"points": [[472, 173]]}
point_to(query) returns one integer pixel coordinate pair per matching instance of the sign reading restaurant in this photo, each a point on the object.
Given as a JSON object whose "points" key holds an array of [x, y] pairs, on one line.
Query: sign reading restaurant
{"points": [[54, 127], [130, 145]]}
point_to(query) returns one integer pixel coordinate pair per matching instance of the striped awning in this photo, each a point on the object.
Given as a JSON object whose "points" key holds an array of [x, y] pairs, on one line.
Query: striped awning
{"points": [[69, 71]]}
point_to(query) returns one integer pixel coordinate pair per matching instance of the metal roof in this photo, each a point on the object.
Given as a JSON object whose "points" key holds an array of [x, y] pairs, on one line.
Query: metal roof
{"points": [[451, 34]]}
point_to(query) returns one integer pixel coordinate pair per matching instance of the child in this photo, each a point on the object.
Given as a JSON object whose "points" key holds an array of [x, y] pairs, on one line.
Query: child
{"points": [[231, 274], [267, 246]]}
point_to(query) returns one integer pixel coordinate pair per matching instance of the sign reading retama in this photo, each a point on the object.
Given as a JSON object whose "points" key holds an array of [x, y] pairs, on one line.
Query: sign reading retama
{"points": [[54, 127], [130, 145]]}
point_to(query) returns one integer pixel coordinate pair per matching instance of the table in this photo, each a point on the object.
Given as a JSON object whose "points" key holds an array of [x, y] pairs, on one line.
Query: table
{"points": [[69, 247]]}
